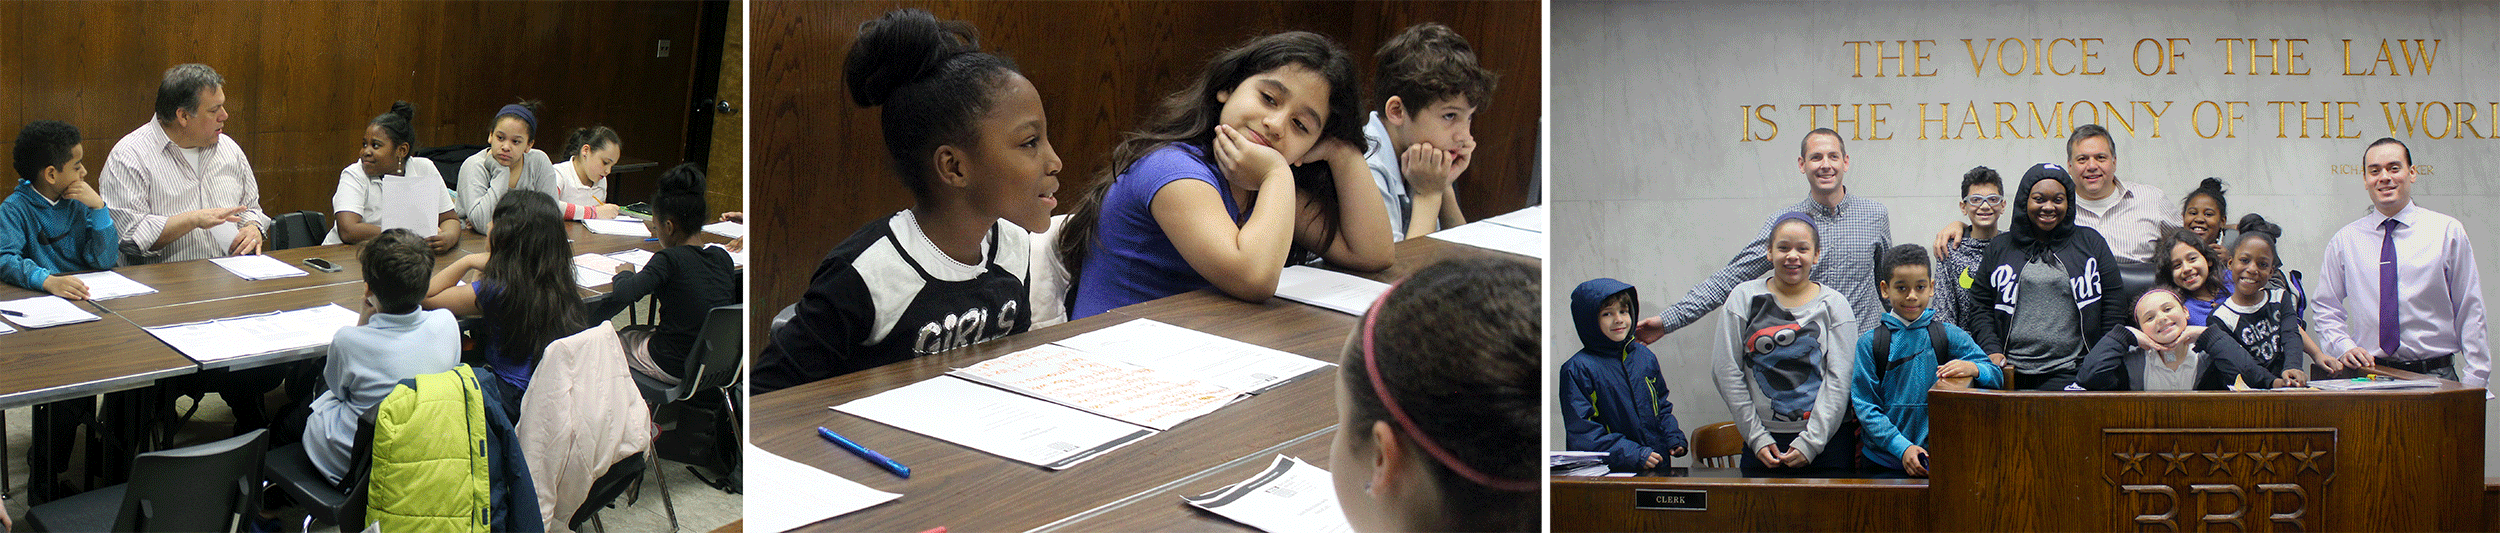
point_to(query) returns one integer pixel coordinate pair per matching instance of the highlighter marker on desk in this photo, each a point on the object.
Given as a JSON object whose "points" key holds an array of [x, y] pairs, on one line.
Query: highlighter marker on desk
{"points": [[864, 453]]}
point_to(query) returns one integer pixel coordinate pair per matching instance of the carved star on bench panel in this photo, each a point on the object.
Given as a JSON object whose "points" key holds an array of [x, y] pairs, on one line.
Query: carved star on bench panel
{"points": [[2309, 459], [2264, 456], [2135, 461], [2177, 459], [2218, 461]]}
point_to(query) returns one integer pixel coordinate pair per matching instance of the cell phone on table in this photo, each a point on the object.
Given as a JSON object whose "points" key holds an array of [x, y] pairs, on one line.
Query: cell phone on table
{"points": [[320, 264]]}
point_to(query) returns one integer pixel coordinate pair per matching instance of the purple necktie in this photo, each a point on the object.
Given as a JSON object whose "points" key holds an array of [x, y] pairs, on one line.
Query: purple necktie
{"points": [[2387, 324]]}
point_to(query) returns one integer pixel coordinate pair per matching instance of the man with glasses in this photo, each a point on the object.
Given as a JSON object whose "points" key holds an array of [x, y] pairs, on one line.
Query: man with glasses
{"points": [[1983, 198]]}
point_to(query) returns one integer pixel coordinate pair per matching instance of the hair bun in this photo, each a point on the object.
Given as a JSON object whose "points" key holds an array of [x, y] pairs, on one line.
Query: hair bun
{"points": [[2254, 223], [404, 109], [899, 48], [685, 178], [2210, 184]]}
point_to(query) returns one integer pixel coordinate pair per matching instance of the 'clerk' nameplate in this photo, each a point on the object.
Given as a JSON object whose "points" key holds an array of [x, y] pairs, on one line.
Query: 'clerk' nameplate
{"points": [[1671, 500]]}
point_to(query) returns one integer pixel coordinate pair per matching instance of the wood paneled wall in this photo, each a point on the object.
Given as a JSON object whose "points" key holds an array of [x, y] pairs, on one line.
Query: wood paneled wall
{"points": [[302, 78], [820, 169]]}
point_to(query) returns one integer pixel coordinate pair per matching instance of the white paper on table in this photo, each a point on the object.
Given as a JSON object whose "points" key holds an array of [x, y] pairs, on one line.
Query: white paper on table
{"points": [[738, 258], [629, 228], [107, 285], [801, 494], [224, 234], [2351, 385], [1291, 496], [5, 329], [1240, 366], [1133, 394], [732, 230], [637, 257], [1531, 218], [46, 311], [1338, 291], [411, 203], [1496, 237], [258, 267], [592, 270], [255, 334], [997, 422]]}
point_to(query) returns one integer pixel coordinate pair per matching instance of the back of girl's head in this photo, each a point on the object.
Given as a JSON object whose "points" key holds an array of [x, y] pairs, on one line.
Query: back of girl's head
{"points": [[399, 123], [1982, 176], [596, 137], [679, 199], [2255, 226], [532, 262], [933, 81], [2170, 241], [1189, 117], [1455, 348], [2210, 188], [526, 111]]}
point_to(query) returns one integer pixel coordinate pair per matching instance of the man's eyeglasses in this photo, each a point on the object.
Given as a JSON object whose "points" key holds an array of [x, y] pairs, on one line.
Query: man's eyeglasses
{"points": [[1984, 200]]}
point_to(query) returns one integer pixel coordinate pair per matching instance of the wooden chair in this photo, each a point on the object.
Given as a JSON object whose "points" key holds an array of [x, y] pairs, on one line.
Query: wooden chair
{"points": [[1717, 446]]}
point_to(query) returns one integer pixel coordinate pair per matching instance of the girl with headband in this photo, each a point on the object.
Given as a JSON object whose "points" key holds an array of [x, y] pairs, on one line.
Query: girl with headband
{"points": [[509, 163], [1437, 406]]}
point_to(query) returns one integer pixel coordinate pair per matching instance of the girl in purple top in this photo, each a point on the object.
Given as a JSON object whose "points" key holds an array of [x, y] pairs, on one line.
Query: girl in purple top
{"points": [[1220, 190], [525, 287]]}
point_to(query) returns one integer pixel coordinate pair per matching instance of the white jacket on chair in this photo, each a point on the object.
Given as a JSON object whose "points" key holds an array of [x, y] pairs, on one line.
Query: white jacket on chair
{"points": [[582, 413]]}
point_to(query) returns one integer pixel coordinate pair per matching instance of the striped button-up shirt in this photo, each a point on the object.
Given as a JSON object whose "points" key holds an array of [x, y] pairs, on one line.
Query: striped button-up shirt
{"points": [[1852, 235], [147, 180]]}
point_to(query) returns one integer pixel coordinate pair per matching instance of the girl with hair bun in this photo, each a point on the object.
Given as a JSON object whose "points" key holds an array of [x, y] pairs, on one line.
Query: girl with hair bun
{"points": [[2267, 311], [688, 279], [2204, 212], [1437, 403], [357, 206], [968, 137]]}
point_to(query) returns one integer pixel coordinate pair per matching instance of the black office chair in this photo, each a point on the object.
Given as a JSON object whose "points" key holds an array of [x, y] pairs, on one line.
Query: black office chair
{"points": [[291, 470], [712, 365], [297, 229], [447, 159], [605, 490], [199, 488]]}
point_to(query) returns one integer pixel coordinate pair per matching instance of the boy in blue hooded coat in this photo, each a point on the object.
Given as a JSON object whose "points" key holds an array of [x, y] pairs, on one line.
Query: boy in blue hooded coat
{"points": [[1611, 396], [1889, 390]]}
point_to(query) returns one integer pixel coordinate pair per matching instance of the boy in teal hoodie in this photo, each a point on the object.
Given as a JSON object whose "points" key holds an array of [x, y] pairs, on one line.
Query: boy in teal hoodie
{"points": [[55, 222], [1890, 389], [1611, 396]]}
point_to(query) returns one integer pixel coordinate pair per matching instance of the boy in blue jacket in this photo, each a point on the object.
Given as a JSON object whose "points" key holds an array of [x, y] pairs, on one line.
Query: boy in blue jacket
{"points": [[1611, 396], [55, 222], [1890, 389]]}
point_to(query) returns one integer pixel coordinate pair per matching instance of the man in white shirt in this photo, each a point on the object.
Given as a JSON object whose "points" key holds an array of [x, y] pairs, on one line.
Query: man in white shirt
{"points": [[2408, 265], [2131, 216], [175, 183]]}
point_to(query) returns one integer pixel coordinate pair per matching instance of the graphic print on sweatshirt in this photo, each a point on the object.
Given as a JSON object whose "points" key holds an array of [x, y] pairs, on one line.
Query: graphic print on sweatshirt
{"points": [[1785, 358]]}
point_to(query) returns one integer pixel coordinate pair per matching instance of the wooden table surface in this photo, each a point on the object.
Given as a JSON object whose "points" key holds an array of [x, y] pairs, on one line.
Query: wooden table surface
{"points": [[1137, 487], [115, 354], [80, 360]]}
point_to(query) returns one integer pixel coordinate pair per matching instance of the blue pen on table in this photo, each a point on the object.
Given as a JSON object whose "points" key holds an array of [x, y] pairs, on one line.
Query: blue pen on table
{"points": [[864, 453], [653, 239]]}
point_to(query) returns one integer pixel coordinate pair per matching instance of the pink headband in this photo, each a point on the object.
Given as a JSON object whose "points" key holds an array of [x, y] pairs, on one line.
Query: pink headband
{"points": [[1371, 367]]}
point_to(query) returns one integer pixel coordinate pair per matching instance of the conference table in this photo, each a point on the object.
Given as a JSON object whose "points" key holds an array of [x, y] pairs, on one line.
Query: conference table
{"points": [[1134, 488], [115, 355]]}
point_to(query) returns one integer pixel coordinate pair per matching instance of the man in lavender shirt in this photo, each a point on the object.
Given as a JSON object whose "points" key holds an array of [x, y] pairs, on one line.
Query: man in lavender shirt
{"points": [[2399, 287]]}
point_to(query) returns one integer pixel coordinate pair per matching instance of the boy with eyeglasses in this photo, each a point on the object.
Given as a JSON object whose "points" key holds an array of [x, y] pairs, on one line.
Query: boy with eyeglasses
{"points": [[1983, 199]]}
